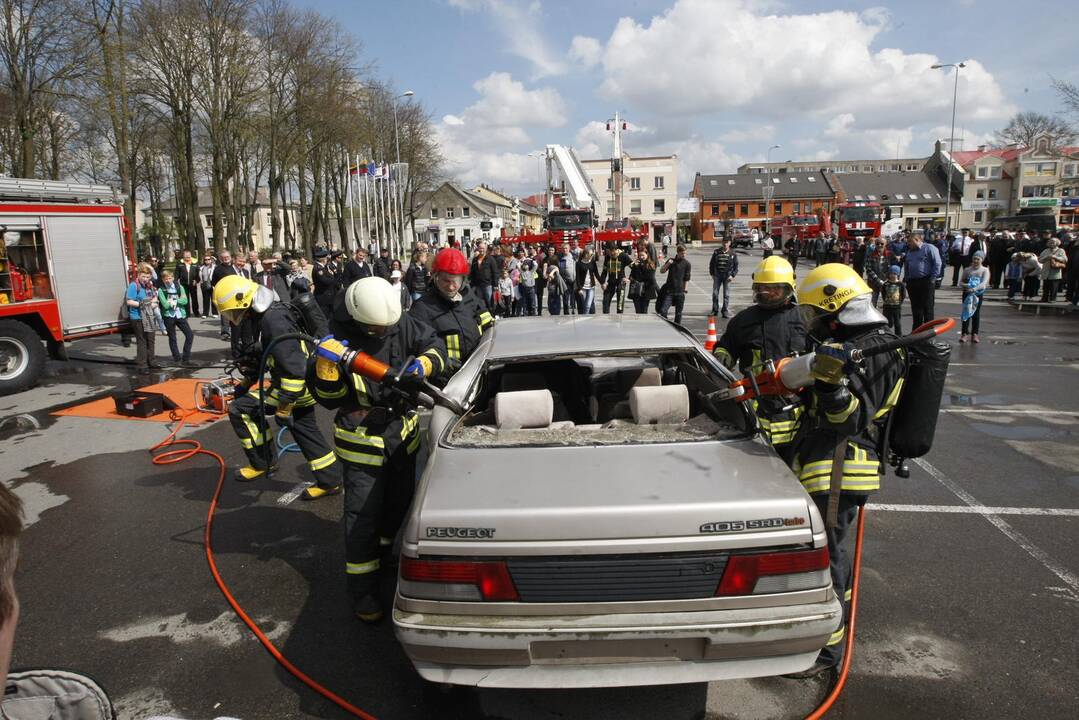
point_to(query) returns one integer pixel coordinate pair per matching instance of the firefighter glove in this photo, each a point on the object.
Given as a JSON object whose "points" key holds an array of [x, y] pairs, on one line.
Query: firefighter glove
{"points": [[331, 349], [416, 371], [829, 363], [329, 354]]}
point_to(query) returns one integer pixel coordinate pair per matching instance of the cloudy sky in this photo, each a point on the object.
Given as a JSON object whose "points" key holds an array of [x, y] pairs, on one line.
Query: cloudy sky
{"points": [[715, 81]]}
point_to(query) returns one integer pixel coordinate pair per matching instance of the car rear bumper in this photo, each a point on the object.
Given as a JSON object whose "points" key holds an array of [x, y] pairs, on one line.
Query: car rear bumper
{"points": [[616, 649]]}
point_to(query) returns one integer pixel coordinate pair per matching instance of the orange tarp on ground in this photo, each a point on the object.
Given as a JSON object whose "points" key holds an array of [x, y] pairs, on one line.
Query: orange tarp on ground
{"points": [[180, 390]]}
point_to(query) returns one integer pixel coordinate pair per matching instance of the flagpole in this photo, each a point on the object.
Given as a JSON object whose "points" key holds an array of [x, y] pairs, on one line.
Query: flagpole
{"points": [[351, 208], [371, 230], [394, 219], [359, 201]]}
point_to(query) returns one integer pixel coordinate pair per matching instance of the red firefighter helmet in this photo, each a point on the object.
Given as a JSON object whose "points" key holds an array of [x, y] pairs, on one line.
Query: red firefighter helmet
{"points": [[450, 261]]}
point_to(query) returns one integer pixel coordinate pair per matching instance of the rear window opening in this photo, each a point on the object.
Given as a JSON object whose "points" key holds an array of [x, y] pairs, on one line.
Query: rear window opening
{"points": [[609, 400]]}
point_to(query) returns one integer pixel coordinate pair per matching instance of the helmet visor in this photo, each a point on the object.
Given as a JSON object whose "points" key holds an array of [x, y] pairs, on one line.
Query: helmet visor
{"points": [[235, 316], [811, 318], [771, 295]]}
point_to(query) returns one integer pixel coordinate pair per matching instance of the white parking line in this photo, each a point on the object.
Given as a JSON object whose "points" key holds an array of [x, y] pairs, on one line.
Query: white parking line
{"points": [[293, 493], [1069, 578], [974, 510], [1005, 411]]}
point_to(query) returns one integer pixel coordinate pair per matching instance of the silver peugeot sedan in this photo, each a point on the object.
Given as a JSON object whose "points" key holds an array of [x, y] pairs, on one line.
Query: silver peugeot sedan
{"points": [[597, 517]]}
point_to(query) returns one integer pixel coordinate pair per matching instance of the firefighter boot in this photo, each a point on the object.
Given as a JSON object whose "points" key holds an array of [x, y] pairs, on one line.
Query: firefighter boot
{"points": [[315, 492], [368, 609], [256, 467]]}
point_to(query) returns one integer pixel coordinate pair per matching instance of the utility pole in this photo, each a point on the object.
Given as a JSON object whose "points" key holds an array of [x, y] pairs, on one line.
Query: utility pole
{"points": [[617, 174]]}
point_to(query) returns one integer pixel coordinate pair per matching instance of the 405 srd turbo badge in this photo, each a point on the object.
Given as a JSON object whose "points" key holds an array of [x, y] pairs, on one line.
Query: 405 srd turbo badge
{"points": [[740, 525]]}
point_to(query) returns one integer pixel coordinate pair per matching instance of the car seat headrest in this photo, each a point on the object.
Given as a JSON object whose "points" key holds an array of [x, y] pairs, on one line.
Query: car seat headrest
{"points": [[524, 409], [663, 404]]}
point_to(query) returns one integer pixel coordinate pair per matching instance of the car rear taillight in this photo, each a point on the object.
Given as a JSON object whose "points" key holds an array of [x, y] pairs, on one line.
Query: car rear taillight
{"points": [[456, 580], [775, 572]]}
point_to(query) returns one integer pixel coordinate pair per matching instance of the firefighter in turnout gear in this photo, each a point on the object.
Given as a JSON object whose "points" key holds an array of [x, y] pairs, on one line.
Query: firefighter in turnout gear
{"points": [[836, 453], [768, 330], [376, 429], [458, 316], [240, 300], [612, 277]]}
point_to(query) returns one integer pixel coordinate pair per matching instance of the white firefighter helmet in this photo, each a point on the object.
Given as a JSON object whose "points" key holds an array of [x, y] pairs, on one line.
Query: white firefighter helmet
{"points": [[373, 301]]}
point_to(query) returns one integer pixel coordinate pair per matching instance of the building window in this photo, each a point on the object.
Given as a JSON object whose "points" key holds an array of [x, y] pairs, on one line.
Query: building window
{"points": [[657, 182], [775, 181], [762, 208], [449, 213], [659, 207], [634, 207], [610, 183], [715, 209], [730, 181], [811, 178], [794, 179], [979, 194], [610, 209], [1043, 169], [872, 198], [911, 166], [757, 181], [899, 196], [778, 208], [797, 208], [983, 172], [467, 234], [466, 212], [744, 208], [1034, 191], [978, 216], [1071, 170], [730, 208], [992, 193], [635, 183], [434, 212], [895, 167], [867, 168]]}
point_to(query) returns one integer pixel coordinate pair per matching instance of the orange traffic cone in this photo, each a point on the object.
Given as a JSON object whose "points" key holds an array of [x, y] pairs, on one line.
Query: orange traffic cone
{"points": [[712, 339]]}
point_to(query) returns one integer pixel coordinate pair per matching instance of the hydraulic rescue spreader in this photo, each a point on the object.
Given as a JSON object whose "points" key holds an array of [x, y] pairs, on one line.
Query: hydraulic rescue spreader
{"points": [[790, 374]]}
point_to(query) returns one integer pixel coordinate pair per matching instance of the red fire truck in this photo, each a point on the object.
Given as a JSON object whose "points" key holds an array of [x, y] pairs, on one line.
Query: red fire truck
{"points": [[799, 227], [64, 265], [859, 219]]}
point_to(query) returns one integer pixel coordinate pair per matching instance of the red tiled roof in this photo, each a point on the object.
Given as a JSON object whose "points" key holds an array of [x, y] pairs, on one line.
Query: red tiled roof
{"points": [[966, 157]]}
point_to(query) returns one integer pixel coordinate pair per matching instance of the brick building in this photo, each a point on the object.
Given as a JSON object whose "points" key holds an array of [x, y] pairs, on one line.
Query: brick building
{"points": [[744, 197]]}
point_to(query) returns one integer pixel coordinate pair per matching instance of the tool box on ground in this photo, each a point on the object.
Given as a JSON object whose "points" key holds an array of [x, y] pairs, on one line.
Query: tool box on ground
{"points": [[140, 404]]}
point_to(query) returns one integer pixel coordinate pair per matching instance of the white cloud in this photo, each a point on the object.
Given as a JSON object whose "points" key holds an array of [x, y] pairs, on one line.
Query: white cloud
{"points": [[504, 102], [753, 133], [518, 24], [489, 140], [723, 55], [586, 50], [858, 143]]}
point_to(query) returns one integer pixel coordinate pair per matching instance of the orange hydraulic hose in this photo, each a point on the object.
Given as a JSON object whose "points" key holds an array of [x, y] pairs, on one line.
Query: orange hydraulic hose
{"points": [[848, 650], [193, 448]]}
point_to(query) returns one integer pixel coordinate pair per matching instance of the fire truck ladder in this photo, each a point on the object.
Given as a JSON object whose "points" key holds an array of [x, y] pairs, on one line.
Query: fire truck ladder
{"points": [[579, 188], [51, 191]]}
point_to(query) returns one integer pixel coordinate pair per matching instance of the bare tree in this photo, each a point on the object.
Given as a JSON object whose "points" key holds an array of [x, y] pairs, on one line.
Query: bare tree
{"points": [[41, 51], [1024, 127], [1068, 94]]}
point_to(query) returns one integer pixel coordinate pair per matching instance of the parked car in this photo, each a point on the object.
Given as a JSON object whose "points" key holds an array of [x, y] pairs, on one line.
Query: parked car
{"points": [[740, 232], [595, 518]]}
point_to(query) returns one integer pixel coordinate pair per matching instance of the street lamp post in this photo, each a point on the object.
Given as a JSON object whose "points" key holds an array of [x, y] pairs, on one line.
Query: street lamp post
{"points": [[397, 147], [951, 142], [767, 192]]}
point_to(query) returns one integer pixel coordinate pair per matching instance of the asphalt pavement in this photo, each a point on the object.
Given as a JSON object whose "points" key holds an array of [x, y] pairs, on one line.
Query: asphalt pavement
{"points": [[968, 606]]}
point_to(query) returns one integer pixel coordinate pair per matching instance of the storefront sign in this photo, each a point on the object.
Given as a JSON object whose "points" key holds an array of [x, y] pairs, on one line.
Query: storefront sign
{"points": [[928, 210], [1039, 202], [689, 205], [1071, 202], [983, 205]]}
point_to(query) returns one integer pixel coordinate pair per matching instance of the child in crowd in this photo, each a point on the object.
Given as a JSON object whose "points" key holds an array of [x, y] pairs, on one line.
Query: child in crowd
{"points": [[893, 293], [505, 292], [1013, 275], [1031, 275]]}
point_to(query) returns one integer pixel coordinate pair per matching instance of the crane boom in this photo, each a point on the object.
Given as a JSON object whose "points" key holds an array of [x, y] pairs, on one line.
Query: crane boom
{"points": [[579, 191]]}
